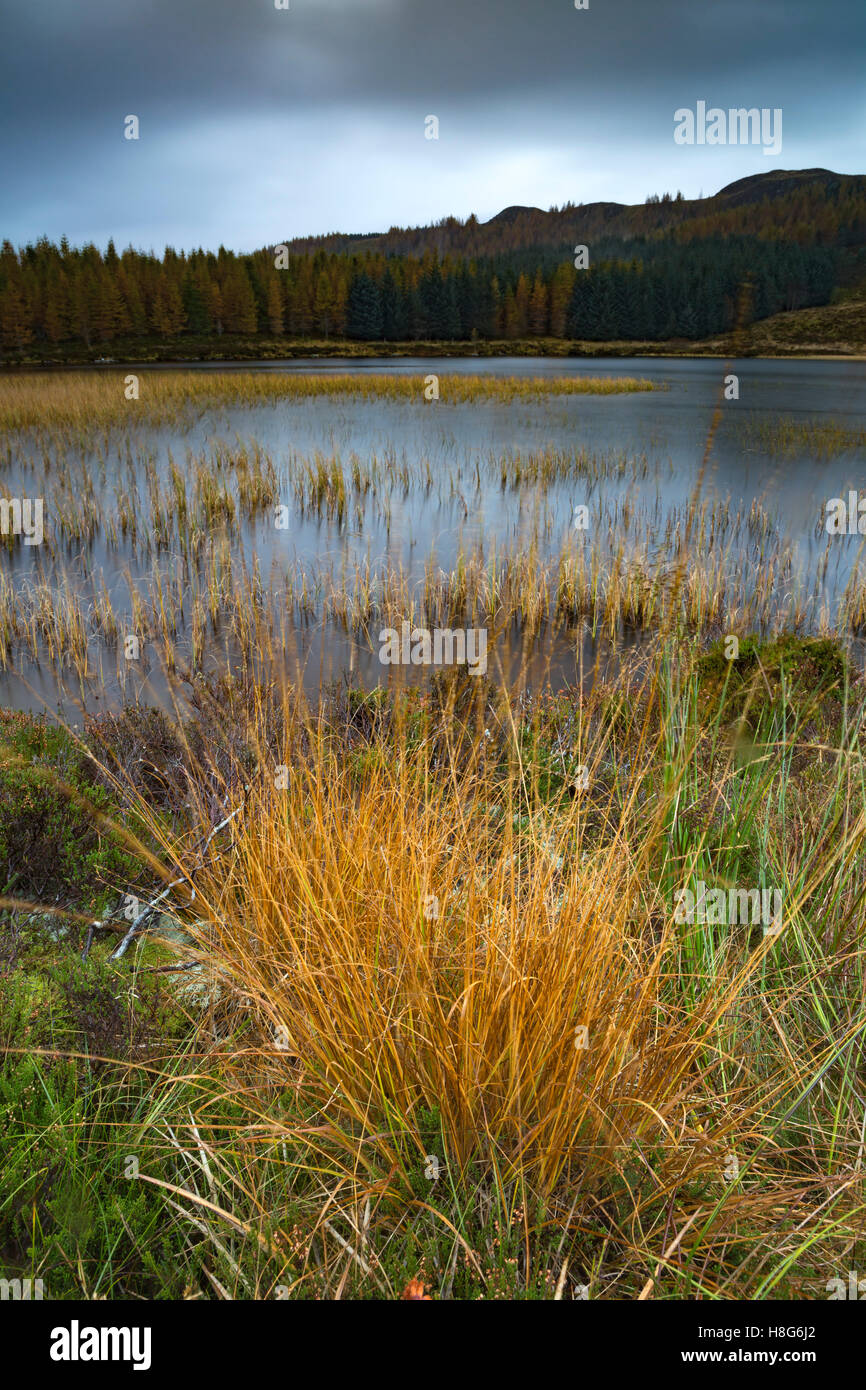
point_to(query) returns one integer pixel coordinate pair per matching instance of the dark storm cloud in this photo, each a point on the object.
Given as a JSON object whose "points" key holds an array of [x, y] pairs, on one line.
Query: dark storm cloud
{"points": [[258, 123]]}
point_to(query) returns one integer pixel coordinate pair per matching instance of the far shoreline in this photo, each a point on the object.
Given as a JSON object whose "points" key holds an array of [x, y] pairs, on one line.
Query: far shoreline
{"points": [[237, 353]]}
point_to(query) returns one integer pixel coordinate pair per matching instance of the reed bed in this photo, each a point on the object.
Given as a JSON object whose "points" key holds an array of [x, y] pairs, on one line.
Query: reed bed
{"points": [[789, 437], [81, 404], [208, 515], [194, 599]]}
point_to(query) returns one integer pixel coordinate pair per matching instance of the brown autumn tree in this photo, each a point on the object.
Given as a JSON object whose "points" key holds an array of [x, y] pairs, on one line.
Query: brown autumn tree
{"points": [[15, 316], [538, 308], [275, 305]]}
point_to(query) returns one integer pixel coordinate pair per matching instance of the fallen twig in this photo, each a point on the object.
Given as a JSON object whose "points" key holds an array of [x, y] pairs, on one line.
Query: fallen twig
{"points": [[139, 921]]}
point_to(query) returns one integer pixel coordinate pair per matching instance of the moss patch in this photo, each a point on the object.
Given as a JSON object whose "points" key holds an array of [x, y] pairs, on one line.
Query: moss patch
{"points": [[768, 676], [56, 832]]}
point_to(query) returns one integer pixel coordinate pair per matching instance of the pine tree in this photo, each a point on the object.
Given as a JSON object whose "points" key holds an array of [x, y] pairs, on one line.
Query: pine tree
{"points": [[128, 283], [496, 309], [521, 305], [466, 290], [55, 308], [216, 308], [82, 300], [389, 307], [323, 305], [340, 294], [510, 328], [301, 297], [196, 297], [451, 313], [364, 309], [167, 315], [561, 287]]}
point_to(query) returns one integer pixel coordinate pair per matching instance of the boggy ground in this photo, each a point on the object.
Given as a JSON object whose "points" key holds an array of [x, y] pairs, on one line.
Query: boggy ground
{"points": [[438, 1020]]}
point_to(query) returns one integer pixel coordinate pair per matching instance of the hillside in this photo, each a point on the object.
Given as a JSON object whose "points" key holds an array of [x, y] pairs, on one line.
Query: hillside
{"points": [[825, 329], [796, 204]]}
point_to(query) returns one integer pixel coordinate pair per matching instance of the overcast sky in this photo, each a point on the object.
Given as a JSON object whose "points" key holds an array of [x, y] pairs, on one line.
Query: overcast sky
{"points": [[258, 124]]}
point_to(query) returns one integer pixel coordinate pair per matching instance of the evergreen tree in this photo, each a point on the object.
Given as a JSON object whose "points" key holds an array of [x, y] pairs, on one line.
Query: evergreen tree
{"points": [[364, 309]]}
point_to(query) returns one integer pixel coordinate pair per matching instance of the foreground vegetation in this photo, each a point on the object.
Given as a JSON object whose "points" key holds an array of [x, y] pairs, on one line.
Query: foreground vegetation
{"points": [[430, 1016]]}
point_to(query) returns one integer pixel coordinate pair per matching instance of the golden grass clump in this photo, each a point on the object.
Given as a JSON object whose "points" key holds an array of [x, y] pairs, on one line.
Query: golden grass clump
{"points": [[413, 958]]}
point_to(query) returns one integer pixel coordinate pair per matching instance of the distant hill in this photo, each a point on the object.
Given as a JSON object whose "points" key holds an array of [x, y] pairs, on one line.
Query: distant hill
{"points": [[800, 205], [776, 183]]}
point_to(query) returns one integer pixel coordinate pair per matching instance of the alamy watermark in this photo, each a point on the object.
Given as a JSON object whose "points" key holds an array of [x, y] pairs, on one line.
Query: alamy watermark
{"points": [[737, 126], [846, 516], [855, 1288], [737, 906], [21, 1290], [77, 1343], [419, 646], [22, 516]]}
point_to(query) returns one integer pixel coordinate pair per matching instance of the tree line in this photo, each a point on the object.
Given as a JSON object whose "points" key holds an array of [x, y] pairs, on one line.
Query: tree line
{"points": [[641, 288]]}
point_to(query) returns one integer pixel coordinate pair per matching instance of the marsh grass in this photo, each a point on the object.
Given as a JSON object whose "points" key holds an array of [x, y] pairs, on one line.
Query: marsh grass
{"points": [[789, 437], [81, 404], [199, 515], [189, 534]]}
